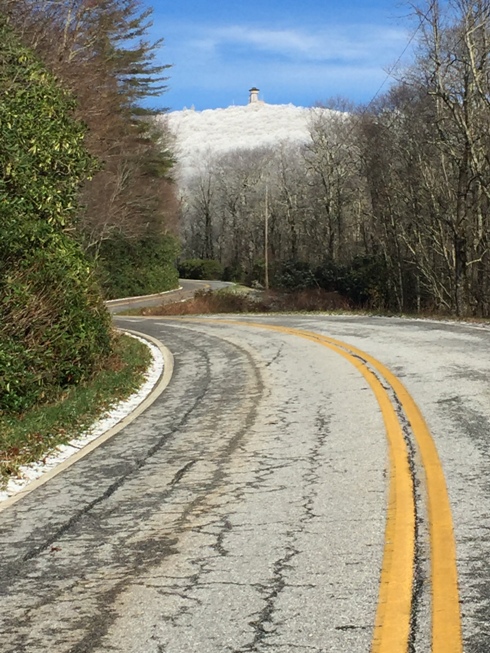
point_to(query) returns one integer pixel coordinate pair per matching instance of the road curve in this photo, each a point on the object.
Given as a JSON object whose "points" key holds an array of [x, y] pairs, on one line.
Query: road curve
{"points": [[246, 509], [186, 290]]}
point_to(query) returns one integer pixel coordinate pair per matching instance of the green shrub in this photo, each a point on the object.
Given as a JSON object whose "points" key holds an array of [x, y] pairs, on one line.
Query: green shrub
{"points": [[234, 273], [23, 441], [54, 329], [130, 268], [364, 282], [200, 268], [328, 274], [294, 275]]}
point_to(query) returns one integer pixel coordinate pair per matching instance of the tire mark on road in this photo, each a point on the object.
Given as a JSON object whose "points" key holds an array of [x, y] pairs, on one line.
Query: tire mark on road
{"points": [[95, 625]]}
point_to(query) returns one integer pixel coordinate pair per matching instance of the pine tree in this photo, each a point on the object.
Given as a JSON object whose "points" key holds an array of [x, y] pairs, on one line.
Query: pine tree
{"points": [[101, 51]]}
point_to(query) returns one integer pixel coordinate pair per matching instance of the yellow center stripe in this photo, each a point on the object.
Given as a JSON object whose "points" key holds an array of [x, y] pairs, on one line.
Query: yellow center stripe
{"points": [[392, 626], [446, 616]]}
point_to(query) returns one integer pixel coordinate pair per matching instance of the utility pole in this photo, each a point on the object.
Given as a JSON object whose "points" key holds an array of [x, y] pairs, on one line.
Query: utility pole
{"points": [[266, 238]]}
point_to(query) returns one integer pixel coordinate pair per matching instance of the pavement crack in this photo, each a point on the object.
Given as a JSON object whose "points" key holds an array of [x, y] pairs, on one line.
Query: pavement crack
{"points": [[135, 466], [219, 546], [182, 472], [311, 476], [264, 624], [276, 356], [419, 580]]}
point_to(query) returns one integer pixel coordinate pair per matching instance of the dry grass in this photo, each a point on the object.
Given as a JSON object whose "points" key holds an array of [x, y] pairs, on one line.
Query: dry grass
{"points": [[226, 301]]}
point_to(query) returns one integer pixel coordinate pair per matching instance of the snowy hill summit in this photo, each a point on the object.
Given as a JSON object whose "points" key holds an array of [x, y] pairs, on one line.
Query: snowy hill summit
{"points": [[201, 135]]}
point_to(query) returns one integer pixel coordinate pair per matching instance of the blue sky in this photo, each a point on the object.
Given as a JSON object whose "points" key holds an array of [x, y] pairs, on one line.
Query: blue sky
{"points": [[294, 51]]}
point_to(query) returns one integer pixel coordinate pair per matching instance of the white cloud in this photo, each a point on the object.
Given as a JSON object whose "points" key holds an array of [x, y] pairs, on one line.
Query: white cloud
{"points": [[215, 65], [340, 43], [268, 40]]}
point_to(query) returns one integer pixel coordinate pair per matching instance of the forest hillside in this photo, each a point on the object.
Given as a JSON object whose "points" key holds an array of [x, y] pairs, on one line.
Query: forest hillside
{"points": [[387, 204]]}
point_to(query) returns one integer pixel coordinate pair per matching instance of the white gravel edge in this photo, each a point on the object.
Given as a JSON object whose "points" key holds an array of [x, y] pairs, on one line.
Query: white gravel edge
{"points": [[34, 471]]}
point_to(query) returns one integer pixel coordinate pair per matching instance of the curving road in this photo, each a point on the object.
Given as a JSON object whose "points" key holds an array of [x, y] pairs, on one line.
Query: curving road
{"points": [[186, 290], [245, 510]]}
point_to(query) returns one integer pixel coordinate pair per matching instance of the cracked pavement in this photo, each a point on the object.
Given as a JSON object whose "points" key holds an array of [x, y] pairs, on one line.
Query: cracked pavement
{"points": [[243, 511]]}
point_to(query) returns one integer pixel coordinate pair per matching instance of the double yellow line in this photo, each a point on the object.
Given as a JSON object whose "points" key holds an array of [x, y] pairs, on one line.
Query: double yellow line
{"points": [[394, 613]]}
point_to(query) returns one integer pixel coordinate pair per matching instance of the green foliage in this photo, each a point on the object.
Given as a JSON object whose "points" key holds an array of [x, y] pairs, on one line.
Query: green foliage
{"points": [[200, 268], [234, 273], [102, 50], [42, 158], [23, 441], [364, 282], [130, 268], [327, 275], [54, 329], [255, 274], [294, 275], [119, 29]]}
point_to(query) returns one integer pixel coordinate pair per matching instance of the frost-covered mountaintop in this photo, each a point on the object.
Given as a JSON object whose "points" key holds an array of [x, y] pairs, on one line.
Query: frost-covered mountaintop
{"points": [[200, 134]]}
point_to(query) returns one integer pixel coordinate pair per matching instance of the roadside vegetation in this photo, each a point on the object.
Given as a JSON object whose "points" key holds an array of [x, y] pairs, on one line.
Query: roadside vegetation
{"points": [[28, 436], [100, 53], [84, 180], [240, 301], [54, 329], [249, 301]]}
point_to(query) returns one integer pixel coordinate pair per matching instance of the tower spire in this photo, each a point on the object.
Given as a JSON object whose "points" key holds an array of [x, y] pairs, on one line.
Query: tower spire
{"points": [[254, 95]]}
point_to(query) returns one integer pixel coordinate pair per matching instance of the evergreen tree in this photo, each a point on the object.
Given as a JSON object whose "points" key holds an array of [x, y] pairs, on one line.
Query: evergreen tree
{"points": [[100, 50]]}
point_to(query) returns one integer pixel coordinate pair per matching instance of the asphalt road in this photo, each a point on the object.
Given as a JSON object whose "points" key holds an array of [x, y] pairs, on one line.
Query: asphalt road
{"points": [[187, 288], [245, 510]]}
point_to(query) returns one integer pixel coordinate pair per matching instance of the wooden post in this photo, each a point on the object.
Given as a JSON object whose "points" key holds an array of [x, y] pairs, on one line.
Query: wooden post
{"points": [[266, 237]]}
